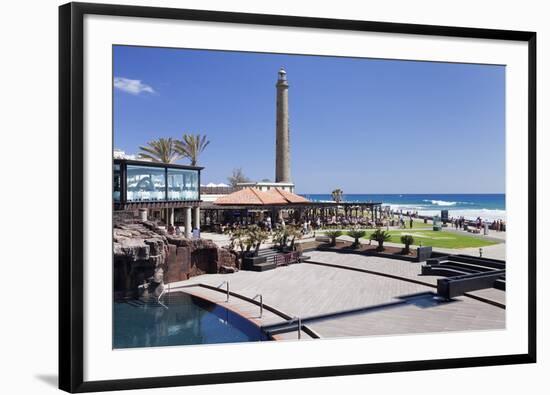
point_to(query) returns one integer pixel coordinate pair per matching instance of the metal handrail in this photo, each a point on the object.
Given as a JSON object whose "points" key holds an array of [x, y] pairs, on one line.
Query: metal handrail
{"points": [[295, 318], [261, 303], [162, 294], [227, 289]]}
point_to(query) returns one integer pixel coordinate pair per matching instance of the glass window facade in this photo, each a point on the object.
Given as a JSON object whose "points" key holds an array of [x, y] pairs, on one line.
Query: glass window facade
{"points": [[145, 184], [154, 183], [183, 184]]}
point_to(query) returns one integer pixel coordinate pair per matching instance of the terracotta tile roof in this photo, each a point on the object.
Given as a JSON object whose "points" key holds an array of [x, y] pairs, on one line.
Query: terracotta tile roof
{"points": [[241, 197], [255, 197], [271, 197], [291, 197]]}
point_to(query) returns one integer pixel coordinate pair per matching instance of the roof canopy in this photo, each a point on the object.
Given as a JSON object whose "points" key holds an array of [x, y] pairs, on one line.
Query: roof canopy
{"points": [[255, 197]]}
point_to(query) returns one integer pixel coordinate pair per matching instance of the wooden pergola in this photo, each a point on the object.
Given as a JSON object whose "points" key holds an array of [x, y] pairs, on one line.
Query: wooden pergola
{"points": [[253, 203], [308, 211]]}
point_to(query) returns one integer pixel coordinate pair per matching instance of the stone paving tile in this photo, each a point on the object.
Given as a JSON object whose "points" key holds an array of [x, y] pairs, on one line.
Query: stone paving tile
{"points": [[307, 290], [395, 267]]}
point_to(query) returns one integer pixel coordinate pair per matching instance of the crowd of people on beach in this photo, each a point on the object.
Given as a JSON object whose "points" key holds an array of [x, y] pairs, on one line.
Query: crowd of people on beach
{"points": [[498, 225], [462, 223]]}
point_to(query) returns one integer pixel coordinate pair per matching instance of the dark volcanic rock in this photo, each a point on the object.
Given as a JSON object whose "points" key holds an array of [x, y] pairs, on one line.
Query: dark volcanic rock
{"points": [[142, 249]]}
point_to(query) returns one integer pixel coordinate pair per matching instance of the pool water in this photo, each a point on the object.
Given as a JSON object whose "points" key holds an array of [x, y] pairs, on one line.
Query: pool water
{"points": [[183, 320]]}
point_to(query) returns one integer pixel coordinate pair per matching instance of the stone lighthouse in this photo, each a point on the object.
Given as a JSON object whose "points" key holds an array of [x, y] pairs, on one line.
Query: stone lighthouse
{"points": [[282, 161]]}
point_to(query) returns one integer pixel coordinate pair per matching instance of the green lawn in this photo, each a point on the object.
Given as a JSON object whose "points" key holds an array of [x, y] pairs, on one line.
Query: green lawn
{"points": [[440, 239], [419, 225]]}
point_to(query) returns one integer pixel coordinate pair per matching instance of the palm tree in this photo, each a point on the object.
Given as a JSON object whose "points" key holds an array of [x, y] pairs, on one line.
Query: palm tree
{"points": [[356, 234], [407, 240], [333, 235], [380, 236], [161, 150], [191, 146], [337, 195]]}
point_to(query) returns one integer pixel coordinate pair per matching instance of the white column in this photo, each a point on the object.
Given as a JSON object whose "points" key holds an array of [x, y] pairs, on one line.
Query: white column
{"points": [[196, 218], [187, 212], [171, 217], [143, 214]]}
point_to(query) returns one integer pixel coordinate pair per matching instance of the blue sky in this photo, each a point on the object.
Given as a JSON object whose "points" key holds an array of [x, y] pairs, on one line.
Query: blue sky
{"points": [[362, 125]]}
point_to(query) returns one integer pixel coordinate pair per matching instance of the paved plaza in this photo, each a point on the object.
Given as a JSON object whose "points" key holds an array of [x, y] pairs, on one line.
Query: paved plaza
{"points": [[390, 298]]}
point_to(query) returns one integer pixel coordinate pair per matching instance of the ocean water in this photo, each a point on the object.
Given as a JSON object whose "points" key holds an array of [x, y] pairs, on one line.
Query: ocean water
{"points": [[489, 207]]}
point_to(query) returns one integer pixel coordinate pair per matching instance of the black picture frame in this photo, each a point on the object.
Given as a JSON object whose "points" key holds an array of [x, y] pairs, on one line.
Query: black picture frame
{"points": [[71, 223]]}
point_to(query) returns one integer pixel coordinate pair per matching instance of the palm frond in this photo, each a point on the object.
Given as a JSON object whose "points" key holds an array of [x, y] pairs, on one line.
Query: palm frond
{"points": [[191, 146], [160, 150]]}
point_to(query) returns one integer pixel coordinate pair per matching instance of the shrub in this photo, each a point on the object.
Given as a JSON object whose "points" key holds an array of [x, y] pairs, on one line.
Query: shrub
{"points": [[380, 236], [407, 240], [333, 234], [356, 234]]}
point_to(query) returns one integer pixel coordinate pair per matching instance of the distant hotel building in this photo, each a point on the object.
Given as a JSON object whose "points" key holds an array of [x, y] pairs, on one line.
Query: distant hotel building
{"points": [[266, 186]]}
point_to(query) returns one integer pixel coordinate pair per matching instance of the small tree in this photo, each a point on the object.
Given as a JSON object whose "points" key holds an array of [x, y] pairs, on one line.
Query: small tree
{"points": [[356, 234], [294, 233], [236, 177], [237, 239], [337, 195], [333, 234], [280, 237], [283, 235], [380, 236], [255, 237], [247, 238], [407, 240]]}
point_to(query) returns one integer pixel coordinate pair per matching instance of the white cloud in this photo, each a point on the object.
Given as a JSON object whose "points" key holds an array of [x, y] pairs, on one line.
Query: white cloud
{"points": [[134, 87]]}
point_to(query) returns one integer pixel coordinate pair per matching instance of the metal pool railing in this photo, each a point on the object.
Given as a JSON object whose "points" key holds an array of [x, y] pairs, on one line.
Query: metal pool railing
{"points": [[261, 303], [226, 289]]}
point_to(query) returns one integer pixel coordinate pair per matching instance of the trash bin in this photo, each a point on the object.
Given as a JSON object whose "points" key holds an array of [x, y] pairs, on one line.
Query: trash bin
{"points": [[436, 223]]}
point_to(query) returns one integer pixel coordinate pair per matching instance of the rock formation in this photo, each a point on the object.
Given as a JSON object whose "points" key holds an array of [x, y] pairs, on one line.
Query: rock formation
{"points": [[142, 250]]}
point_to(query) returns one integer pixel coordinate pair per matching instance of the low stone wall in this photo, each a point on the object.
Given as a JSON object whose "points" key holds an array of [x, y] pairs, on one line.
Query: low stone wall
{"points": [[141, 248]]}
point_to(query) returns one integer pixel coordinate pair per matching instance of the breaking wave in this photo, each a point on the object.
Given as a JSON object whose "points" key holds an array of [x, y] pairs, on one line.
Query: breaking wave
{"points": [[440, 202]]}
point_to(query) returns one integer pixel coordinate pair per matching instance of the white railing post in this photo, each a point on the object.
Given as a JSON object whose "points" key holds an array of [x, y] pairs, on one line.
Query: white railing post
{"points": [[261, 303], [261, 306], [227, 292]]}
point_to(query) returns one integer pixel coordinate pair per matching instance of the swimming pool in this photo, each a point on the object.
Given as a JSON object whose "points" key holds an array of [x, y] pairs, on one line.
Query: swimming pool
{"points": [[184, 320]]}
